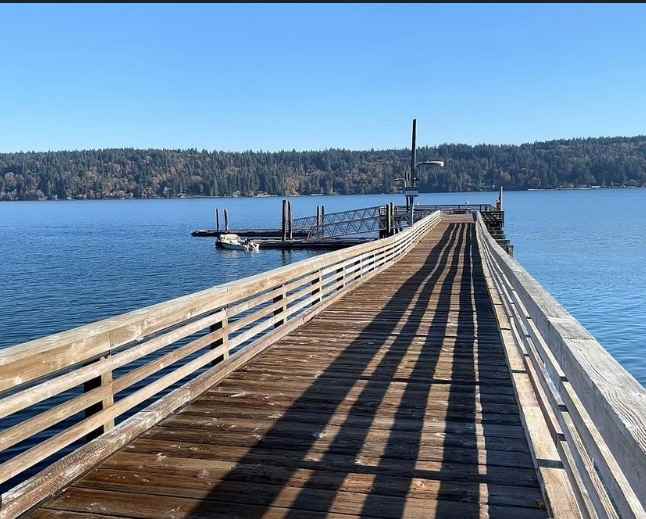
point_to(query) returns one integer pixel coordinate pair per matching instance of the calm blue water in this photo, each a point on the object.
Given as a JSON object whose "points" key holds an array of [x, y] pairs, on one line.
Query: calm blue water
{"points": [[63, 264]]}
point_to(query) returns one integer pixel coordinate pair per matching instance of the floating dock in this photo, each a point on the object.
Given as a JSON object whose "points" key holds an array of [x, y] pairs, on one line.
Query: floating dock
{"points": [[425, 374], [354, 226]]}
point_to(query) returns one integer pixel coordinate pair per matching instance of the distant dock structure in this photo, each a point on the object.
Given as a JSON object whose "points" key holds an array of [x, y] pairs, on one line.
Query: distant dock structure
{"points": [[348, 228]]}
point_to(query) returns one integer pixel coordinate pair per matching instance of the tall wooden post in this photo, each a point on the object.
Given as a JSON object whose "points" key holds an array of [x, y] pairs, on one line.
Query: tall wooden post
{"points": [[394, 213], [322, 221], [290, 220], [226, 220], [284, 221], [217, 219], [318, 220]]}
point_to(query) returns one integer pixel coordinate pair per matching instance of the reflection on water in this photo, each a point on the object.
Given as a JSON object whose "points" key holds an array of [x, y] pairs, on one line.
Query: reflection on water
{"points": [[63, 264]]}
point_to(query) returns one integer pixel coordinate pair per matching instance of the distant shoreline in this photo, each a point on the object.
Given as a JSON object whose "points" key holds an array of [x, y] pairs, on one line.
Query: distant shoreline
{"points": [[199, 197]]}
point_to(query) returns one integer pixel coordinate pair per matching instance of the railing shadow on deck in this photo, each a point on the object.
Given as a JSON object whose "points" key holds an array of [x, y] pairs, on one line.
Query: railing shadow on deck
{"points": [[345, 442], [397, 466]]}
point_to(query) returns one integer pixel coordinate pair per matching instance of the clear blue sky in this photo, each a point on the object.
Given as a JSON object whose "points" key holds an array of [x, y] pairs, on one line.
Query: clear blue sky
{"points": [[236, 77]]}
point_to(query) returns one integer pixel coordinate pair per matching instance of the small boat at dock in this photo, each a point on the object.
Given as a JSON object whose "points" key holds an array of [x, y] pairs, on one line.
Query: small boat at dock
{"points": [[234, 242]]}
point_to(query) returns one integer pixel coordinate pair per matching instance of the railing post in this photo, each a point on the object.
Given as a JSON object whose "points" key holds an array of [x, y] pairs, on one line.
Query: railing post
{"points": [[317, 283], [340, 278], [223, 324], [105, 381], [282, 309]]}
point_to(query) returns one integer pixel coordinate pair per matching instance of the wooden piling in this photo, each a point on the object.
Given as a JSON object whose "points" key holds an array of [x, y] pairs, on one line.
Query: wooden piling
{"points": [[217, 219], [322, 221], [284, 221], [393, 220], [318, 219], [226, 220], [290, 220]]}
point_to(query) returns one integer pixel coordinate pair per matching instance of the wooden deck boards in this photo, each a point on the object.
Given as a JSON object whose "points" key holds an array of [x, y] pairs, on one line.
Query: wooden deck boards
{"points": [[394, 402]]}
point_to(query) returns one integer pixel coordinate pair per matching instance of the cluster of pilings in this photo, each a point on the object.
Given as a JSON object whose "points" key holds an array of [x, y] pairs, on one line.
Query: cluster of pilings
{"points": [[390, 226], [217, 220]]}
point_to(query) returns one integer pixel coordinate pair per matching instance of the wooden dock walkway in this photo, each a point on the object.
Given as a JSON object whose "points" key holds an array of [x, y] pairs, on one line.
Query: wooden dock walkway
{"points": [[422, 375], [394, 402]]}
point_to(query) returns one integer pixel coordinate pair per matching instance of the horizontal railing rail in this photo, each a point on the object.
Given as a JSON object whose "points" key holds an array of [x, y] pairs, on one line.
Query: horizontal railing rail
{"points": [[595, 410], [95, 380]]}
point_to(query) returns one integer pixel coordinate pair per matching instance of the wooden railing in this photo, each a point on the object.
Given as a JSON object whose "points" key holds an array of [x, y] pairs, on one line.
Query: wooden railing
{"points": [[57, 391], [595, 410]]}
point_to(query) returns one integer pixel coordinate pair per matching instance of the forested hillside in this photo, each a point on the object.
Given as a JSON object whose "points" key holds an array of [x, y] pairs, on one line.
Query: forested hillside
{"points": [[127, 173]]}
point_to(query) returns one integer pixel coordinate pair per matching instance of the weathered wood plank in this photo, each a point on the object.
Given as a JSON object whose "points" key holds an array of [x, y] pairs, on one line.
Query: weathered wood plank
{"points": [[199, 476], [444, 470]]}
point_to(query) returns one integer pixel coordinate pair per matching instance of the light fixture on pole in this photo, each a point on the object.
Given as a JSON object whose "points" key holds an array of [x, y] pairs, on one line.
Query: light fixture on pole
{"points": [[410, 180]]}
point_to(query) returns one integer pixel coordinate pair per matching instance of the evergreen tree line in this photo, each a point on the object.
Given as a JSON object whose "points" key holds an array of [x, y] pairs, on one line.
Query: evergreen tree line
{"points": [[134, 173]]}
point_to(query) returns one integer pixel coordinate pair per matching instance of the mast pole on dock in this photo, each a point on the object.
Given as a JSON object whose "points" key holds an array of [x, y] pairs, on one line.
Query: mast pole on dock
{"points": [[412, 181]]}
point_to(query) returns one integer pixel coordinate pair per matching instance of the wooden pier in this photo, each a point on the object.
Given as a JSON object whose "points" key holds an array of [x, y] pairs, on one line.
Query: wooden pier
{"points": [[421, 375]]}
